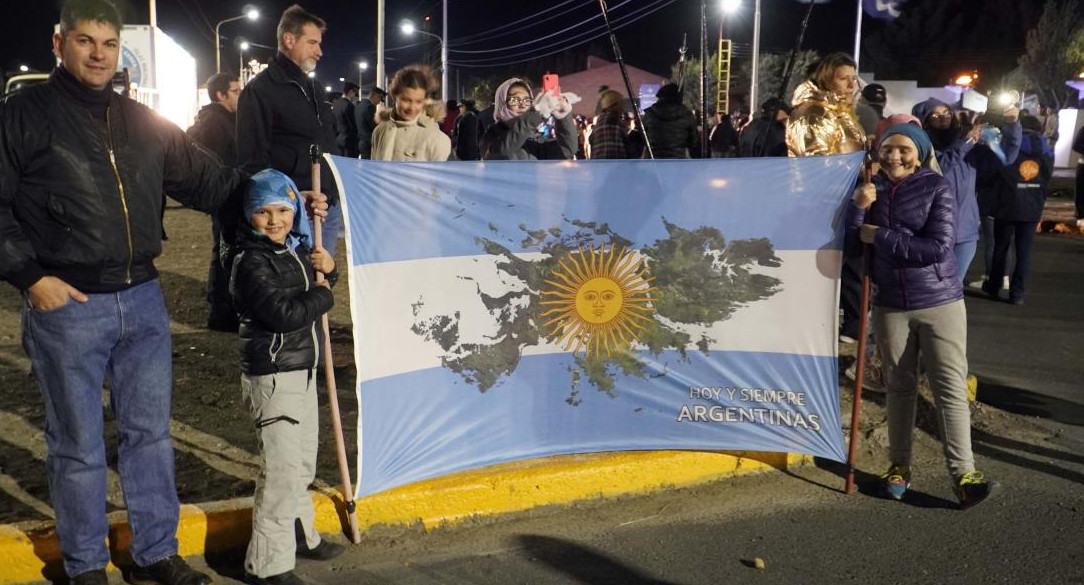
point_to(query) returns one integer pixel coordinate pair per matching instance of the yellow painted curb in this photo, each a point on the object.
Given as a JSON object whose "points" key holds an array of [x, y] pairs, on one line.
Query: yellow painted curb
{"points": [[29, 552]]}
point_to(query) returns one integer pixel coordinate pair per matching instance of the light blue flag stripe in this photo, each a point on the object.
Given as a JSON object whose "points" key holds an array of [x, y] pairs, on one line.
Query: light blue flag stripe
{"points": [[795, 202]]}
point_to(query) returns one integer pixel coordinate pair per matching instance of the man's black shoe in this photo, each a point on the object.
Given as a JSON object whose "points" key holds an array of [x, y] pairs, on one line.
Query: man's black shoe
{"points": [[325, 551], [91, 577], [287, 578], [224, 325], [169, 571]]}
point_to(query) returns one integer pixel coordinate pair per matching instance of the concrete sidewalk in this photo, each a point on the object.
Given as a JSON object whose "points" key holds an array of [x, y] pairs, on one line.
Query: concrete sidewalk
{"points": [[29, 552]]}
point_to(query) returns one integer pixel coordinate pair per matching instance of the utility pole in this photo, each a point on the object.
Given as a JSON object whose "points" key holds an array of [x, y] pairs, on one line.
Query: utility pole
{"points": [[379, 44], [444, 54]]}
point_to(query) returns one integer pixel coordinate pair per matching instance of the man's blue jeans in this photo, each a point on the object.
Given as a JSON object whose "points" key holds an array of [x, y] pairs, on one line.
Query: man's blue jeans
{"points": [[332, 228], [123, 337]]}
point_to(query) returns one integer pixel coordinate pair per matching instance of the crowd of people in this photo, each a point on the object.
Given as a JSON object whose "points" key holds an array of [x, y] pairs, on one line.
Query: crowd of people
{"points": [[81, 204]]}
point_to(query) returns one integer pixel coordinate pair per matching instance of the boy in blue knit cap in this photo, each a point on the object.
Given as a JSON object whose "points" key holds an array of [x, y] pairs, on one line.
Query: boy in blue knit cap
{"points": [[278, 301]]}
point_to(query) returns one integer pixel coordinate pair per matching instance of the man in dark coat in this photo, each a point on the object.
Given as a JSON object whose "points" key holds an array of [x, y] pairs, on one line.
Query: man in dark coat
{"points": [[670, 126], [216, 129], [755, 141], [216, 123], [365, 114], [346, 137], [466, 132], [723, 139], [282, 113]]}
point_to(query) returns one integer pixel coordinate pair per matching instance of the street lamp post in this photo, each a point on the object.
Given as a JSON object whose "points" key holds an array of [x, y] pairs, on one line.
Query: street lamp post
{"points": [[408, 29], [241, 48], [753, 105], [362, 66], [251, 14]]}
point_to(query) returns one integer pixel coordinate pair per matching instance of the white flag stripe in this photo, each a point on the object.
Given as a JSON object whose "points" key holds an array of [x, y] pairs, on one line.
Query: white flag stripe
{"points": [[404, 294]]}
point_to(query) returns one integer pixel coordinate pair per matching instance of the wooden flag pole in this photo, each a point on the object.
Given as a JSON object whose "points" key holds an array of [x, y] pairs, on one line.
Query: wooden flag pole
{"points": [[863, 323], [329, 373]]}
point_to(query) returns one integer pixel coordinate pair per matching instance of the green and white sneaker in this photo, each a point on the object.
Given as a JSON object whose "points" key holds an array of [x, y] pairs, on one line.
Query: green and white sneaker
{"points": [[972, 489]]}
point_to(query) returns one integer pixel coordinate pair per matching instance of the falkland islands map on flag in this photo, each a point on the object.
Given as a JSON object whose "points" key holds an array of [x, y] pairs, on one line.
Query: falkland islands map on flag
{"points": [[512, 310]]}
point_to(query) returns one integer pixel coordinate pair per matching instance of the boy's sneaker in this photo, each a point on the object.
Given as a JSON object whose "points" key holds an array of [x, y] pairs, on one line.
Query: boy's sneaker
{"points": [[895, 482], [169, 571], [972, 489], [325, 551], [287, 578]]}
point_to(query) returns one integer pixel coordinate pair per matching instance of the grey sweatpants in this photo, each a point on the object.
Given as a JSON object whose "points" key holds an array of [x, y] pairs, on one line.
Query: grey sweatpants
{"points": [[939, 335], [283, 408]]}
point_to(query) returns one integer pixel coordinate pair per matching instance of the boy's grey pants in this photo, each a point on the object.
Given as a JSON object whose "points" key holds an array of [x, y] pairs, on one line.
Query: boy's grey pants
{"points": [[939, 335], [283, 407]]}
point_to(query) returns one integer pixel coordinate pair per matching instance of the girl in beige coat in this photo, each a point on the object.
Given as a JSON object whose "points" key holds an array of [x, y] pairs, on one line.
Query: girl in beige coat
{"points": [[411, 135]]}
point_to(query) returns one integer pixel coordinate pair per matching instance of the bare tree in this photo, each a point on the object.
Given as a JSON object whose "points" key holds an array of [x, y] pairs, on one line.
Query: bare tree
{"points": [[770, 74], [1049, 60]]}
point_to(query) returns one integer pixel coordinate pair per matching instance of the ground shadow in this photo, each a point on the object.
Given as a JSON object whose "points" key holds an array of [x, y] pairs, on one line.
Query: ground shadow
{"points": [[1019, 401], [998, 448], [582, 563], [1024, 402], [868, 484], [228, 561]]}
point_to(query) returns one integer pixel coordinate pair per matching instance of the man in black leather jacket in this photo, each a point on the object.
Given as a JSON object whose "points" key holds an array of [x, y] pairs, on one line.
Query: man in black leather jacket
{"points": [[282, 112], [82, 176]]}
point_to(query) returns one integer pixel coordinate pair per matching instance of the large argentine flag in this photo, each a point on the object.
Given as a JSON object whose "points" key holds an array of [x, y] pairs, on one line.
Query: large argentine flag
{"points": [[513, 310]]}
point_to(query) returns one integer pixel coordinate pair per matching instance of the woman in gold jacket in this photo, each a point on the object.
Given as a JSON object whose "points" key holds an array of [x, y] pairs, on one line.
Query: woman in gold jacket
{"points": [[823, 121]]}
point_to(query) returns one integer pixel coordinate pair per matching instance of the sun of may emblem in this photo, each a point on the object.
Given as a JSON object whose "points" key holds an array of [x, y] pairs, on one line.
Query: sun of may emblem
{"points": [[598, 299]]}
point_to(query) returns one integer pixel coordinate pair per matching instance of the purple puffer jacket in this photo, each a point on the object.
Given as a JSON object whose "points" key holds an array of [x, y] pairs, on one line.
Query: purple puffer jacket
{"points": [[913, 263]]}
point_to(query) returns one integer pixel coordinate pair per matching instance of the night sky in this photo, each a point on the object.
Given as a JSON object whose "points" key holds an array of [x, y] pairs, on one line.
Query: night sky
{"points": [[650, 43]]}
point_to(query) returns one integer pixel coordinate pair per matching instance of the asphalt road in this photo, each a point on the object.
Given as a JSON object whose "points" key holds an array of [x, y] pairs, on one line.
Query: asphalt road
{"points": [[1029, 360], [803, 529]]}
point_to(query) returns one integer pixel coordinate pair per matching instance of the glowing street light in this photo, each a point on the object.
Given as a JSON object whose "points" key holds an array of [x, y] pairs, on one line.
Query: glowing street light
{"points": [[362, 66], [731, 6], [241, 48], [249, 13], [408, 29], [24, 68]]}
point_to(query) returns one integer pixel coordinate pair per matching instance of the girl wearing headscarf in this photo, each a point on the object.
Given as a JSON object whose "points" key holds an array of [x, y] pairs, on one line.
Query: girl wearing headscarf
{"points": [[906, 216], [530, 128]]}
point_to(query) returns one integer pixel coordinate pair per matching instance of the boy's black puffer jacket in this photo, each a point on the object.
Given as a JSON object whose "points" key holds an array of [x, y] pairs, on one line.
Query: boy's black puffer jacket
{"points": [[278, 304]]}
